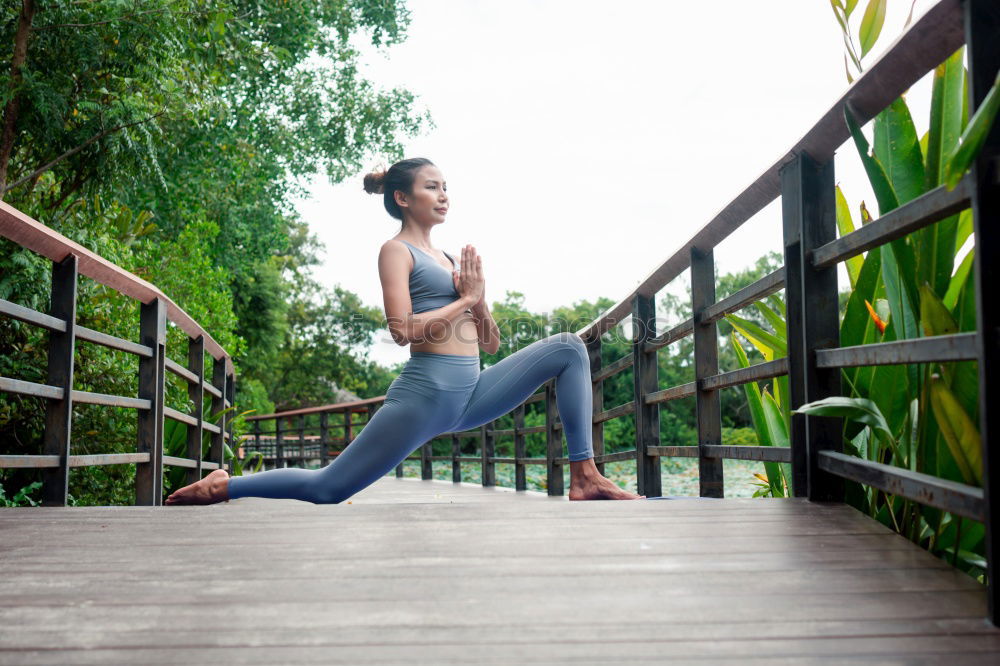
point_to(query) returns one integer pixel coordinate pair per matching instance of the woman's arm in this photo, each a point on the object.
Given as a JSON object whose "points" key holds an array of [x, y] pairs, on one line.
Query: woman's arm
{"points": [[487, 330], [394, 264]]}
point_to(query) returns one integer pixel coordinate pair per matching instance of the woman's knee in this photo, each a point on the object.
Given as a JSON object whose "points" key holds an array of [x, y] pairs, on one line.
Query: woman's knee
{"points": [[570, 339], [331, 493]]}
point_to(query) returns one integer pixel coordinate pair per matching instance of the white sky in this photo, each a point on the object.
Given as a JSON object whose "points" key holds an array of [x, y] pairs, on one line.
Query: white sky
{"points": [[583, 141]]}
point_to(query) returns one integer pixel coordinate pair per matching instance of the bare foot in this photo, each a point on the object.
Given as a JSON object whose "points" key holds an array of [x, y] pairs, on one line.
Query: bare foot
{"points": [[213, 488], [600, 489], [588, 484]]}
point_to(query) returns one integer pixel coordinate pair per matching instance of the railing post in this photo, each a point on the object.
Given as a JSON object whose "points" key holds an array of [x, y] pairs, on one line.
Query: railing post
{"points": [[456, 465], [302, 440], [152, 333], [256, 438], [706, 364], [791, 213], [489, 451], [426, 468], [196, 364], [814, 317], [324, 437], [279, 444], [59, 413], [217, 449], [348, 426], [597, 429], [645, 380], [982, 25], [553, 443], [230, 419], [520, 450]]}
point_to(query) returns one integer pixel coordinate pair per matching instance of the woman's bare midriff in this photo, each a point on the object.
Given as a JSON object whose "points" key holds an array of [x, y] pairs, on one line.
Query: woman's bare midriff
{"points": [[460, 337]]}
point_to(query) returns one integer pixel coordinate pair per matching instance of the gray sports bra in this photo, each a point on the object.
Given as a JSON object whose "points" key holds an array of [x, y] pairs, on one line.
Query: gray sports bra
{"points": [[431, 284]]}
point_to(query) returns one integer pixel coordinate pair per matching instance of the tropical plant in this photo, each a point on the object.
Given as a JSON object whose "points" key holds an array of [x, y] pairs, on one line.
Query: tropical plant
{"points": [[921, 417], [770, 410]]}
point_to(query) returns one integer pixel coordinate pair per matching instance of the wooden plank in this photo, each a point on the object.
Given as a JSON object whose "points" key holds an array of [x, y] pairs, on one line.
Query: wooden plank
{"points": [[767, 285], [112, 342], [700, 579], [957, 498], [754, 373], [670, 336], [957, 347], [926, 209], [29, 316], [764, 453], [30, 388], [90, 398]]}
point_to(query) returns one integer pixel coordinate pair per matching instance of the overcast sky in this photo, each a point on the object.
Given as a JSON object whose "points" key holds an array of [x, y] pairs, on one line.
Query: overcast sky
{"points": [[583, 141]]}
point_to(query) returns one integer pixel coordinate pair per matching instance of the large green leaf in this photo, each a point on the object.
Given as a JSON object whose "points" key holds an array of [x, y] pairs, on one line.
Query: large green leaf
{"points": [[964, 229], [861, 410], [959, 431], [871, 24], [767, 343], [965, 375], [898, 269], [857, 327], [946, 115], [759, 419], [778, 429], [897, 148], [776, 321], [958, 280], [934, 316], [845, 225], [937, 243], [881, 186], [961, 158]]}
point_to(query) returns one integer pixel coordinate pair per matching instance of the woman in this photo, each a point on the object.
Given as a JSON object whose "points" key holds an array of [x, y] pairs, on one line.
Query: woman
{"points": [[438, 307]]}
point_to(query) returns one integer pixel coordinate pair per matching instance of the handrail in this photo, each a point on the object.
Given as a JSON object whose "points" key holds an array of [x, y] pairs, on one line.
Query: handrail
{"points": [[931, 39], [69, 260], [35, 236]]}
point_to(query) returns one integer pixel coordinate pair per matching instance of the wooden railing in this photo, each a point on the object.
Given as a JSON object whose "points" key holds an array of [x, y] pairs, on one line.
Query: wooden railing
{"points": [[804, 179], [69, 260]]}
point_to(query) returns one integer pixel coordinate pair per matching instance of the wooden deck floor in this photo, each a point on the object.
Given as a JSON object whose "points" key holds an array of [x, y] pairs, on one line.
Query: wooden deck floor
{"points": [[430, 572]]}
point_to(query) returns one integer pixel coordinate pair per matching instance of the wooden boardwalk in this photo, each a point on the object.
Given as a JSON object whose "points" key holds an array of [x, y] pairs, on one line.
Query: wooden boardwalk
{"points": [[433, 572]]}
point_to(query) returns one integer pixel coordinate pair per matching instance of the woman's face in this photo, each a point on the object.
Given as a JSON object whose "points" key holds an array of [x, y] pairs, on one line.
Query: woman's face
{"points": [[429, 202]]}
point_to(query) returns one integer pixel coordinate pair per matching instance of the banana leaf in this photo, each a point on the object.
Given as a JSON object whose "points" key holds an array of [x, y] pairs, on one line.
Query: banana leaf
{"points": [[959, 431], [768, 344], [759, 420], [961, 158], [845, 225]]}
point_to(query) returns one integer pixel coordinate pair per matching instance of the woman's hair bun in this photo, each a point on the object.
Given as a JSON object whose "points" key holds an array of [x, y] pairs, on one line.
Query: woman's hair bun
{"points": [[375, 182]]}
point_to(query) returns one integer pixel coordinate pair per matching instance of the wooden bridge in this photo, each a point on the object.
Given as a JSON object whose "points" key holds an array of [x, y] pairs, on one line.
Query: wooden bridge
{"points": [[419, 570], [438, 572]]}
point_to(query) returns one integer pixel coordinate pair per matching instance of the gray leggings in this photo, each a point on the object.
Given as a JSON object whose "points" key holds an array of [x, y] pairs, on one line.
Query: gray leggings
{"points": [[439, 393]]}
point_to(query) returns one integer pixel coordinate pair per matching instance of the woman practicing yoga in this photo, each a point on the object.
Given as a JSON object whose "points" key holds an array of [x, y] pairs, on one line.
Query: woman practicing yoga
{"points": [[438, 307]]}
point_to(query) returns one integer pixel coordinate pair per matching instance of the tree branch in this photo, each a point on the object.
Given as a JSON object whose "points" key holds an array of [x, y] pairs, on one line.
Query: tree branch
{"points": [[12, 110], [73, 151]]}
